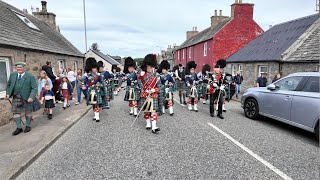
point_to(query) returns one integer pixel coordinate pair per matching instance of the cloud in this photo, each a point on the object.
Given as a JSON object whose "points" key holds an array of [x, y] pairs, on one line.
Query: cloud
{"points": [[136, 28]]}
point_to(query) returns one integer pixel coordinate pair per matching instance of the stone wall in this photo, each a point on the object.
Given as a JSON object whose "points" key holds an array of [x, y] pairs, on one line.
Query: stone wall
{"points": [[251, 70], [35, 61]]}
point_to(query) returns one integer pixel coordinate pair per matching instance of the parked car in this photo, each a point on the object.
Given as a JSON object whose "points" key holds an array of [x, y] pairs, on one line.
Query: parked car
{"points": [[294, 99]]}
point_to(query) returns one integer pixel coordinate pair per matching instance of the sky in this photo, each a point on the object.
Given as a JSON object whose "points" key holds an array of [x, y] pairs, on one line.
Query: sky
{"points": [[139, 27]]}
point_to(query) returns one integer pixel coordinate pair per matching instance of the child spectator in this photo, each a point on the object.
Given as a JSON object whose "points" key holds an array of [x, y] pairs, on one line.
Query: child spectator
{"points": [[66, 91], [48, 97]]}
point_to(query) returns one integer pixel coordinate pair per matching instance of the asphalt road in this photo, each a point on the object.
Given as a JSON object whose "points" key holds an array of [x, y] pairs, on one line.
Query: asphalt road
{"points": [[190, 145]]}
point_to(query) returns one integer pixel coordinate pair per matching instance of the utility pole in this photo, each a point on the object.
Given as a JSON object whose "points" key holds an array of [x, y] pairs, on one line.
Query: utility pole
{"points": [[85, 24]]}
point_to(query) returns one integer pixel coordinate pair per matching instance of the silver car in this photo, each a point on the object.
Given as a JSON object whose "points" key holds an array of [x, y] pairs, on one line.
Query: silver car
{"points": [[294, 99]]}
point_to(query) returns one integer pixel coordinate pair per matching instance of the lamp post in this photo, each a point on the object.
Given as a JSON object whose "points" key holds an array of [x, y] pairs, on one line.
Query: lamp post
{"points": [[85, 24]]}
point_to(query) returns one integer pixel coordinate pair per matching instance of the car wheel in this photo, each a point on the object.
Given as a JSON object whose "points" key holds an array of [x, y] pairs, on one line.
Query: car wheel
{"points": [[317, 132], [251, 109]]}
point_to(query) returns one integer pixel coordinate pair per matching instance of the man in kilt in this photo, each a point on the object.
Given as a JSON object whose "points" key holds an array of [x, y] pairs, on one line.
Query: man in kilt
{"points": [[149, 92], [204, 78], [181, 86], [116, 79], [133, 85], [96, 87], [192, 90], [105, 76], [165, 87], [217, 88], [22, 87]]}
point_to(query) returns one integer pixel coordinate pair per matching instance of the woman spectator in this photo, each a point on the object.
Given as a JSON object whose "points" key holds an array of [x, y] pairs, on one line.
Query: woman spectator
{"points": [[71, 75], [276, 78], [81, 87], [41, 83]]}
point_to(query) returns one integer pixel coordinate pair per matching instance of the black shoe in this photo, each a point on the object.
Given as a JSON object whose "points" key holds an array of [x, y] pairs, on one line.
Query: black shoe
{"points": [[97, 120], [17, 131], [212, 114], [130, 114], [220, 116], [155, 130], [94, 119], [68, 105], [50, 116], [224, 110], [171, 114], [185, 103], [28, 128], [64, 108]]}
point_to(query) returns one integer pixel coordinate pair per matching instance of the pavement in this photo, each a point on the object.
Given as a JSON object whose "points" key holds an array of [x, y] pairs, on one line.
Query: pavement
{"points": [[18, 152], [190, 145]]}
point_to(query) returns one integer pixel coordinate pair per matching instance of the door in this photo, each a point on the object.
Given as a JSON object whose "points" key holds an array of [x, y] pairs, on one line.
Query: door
{"points": [[306, 103], [277, 103]]}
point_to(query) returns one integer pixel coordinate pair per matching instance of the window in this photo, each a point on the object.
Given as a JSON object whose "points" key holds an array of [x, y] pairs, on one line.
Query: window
{"points": [[190, 51], [183, 53], [289, 84], [240, 69], [205, 49], [178, 55], [263, 69], [62, 64], [75, 65], [312, 85], [234, 70], [4, 77], [26, 20]]}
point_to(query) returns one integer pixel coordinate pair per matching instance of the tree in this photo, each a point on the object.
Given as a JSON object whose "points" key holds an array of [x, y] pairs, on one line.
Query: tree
{"points": [[95, 47]]}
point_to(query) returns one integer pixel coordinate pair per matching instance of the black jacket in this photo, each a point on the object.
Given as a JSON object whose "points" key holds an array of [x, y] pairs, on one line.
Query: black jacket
{"points": [[238, 79], [49, 72]]}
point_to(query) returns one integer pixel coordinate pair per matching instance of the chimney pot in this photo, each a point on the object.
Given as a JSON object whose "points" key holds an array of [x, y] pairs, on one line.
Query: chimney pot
{"points": [[215, 12], [37, 9], [220, 12], [195, 28], [236, 1], [240, 1], [44, 6]]}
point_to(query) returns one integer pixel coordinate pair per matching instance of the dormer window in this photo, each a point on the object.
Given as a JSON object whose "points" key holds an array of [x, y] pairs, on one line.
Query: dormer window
{"points": [[25, 20]]}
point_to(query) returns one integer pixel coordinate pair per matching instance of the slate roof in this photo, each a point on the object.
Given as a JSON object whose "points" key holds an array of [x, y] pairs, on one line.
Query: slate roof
{"points": [[273, 43], [309, 50], [108, 58], [204, 35], [14, 32]]}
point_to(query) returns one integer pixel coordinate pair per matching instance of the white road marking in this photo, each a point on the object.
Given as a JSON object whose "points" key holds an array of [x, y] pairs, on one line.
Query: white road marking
{"points": [[270, 166], [178, 102]]}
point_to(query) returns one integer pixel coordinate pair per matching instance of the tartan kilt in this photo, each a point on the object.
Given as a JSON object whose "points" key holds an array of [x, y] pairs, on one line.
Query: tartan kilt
{"points": [[155, 104], [188, 91], [136, 94], [181, 85], [49, 103], [203, 90], [29, 107], [110, 92], [99, 97]]}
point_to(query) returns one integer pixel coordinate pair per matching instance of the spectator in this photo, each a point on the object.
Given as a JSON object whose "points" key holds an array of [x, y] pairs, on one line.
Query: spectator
{"points": [[276, 78], [49, 99], [66, 91], [71, 77], [48, 69], [262, 80], [81, 87], [42, 82], [238, 80]]}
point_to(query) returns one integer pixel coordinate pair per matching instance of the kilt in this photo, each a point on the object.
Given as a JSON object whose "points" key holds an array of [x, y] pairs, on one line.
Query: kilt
{"points": [[155, 103], [65, 94], [181, 85], [49, 104], [136, 94], [25, 106], [203, 90], [188, 91], [99, 97]]}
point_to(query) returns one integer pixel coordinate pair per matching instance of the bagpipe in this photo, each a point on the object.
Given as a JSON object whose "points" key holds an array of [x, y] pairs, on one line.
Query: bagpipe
{"points": [[193, 90], [95, 87]]}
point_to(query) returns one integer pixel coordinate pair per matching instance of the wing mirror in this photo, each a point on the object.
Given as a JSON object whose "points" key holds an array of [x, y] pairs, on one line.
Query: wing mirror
{"points": [[271, 87]]}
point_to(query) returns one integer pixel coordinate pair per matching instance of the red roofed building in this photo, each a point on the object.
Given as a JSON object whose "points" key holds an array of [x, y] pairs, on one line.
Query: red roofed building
{"points": [[225, 36]]}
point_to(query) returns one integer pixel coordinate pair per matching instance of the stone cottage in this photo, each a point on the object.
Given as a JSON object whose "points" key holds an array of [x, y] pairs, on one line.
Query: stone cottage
{"points": [[285, 48], [107, 60], [33, 39]]}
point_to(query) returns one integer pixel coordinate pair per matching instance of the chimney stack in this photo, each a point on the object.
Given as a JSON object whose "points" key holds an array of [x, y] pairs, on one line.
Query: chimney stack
{"points": [[44, 15], [44, 6], [217, 19], [192, 33], [242, 10]]}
